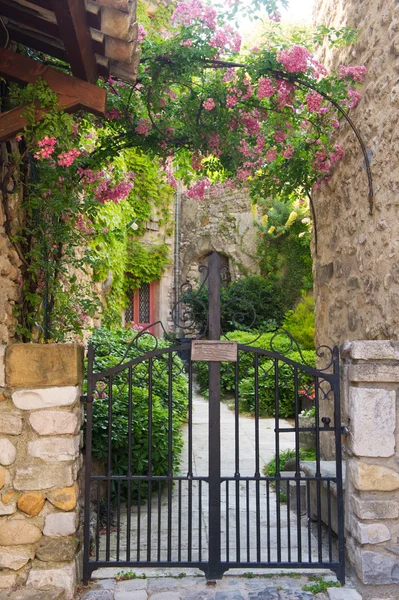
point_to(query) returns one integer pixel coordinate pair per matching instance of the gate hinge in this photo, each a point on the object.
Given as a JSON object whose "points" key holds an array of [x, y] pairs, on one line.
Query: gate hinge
{"points": [[344, 430], [83, 398]]}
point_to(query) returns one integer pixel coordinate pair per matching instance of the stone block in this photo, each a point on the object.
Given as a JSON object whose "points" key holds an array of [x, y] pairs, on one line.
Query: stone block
{"points": [[375, 509], [8, 452], [55, 449], [377, 568], [8, 579], [18, 532], [37, 477], [62, 577], [2, 476], [369, 533], [33, 399], [60, 524], [343, 594], [59, 549], [37, 365], [10, 424], [31, 503], [373, 421], [142, 595], [374, 373], [2, 366], [116, 24], [64, 498], [374, 350], [119, 49], [369, 478], [54, 422], [15, 557], [8, 509]]}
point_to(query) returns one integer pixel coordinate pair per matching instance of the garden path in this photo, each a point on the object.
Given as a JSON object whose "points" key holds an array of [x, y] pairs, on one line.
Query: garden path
{"points": [[189, 534]]}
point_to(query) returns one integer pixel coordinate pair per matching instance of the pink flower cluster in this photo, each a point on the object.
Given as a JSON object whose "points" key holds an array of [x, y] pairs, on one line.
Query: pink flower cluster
{"points": [[143, 127], [47, 147], [209, 104], [354, 98], [141, 34], [356, 73], [186, 43], [66, 159], [266, 88], [276, 17], [314, 100], [197, 192], [226, 37], [103, 186], [186, 13], [295, 59], [86, 227], [106, 192], [113, 113]]}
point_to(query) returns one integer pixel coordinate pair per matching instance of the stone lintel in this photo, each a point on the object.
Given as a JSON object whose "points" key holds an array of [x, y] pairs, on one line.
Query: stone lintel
{"points": [[41, 365]]}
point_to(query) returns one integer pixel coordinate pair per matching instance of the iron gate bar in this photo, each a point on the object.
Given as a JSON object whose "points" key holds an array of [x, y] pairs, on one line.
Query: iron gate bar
{"points": [[149, 486], [215, 570]]}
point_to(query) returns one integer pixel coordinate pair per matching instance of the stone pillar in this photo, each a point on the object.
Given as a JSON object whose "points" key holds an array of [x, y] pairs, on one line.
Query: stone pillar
{"points": [[372, 504], [40, 458]]}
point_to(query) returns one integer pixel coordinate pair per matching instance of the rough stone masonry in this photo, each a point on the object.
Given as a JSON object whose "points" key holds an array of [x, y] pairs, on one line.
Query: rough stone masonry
{"points": [[40, 460]]}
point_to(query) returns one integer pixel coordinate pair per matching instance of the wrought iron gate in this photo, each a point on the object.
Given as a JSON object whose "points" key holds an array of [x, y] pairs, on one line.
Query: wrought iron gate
{"points": [[218, 510]]}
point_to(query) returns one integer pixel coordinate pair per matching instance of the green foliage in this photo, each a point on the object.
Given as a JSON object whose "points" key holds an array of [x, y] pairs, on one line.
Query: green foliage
{"points": [[246, 303], [320, 585], [266, 388], [118, 249], [308, 454], [111, 348], [284, 247], [300, 322]]}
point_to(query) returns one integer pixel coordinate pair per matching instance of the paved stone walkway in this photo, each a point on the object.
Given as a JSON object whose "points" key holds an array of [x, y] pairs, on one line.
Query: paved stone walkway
{"points": [[271, 587], [243, 504]]}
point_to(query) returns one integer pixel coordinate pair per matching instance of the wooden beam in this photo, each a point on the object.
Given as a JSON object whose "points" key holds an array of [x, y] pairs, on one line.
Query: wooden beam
{"points": [[75, 33], [12, 122], [25, 70], [51, 46], [26, 16]]}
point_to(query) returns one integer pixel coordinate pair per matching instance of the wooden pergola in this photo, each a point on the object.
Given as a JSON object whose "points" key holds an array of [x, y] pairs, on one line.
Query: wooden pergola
{"points": [[96, 38]]}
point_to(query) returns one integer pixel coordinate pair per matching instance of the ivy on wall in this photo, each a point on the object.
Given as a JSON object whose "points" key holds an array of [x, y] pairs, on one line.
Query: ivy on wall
{"points": [[121, 254]]}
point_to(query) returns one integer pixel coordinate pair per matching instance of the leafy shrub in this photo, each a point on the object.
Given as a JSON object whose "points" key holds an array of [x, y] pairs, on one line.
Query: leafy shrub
{"points": [[111, 348], [300, 322], [304, 454], [247, 303], [266, 387]]}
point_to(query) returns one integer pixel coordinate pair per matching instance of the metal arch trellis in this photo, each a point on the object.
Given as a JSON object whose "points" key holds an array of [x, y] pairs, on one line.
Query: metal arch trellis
{"points": [[248, 524]]}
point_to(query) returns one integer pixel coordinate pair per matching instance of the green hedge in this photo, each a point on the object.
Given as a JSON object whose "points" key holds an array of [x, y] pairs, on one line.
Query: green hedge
{"points": [[111, 347], [266, 387]]}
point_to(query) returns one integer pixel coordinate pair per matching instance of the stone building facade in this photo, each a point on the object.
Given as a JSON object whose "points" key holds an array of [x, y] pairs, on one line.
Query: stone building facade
{"points": [[356, 267], [223, 222]]}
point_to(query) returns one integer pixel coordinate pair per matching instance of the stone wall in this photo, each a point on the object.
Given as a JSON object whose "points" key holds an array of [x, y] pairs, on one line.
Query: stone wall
{"points": [[224, 223], [9, 260], [40, 459], [357, 267], [372, 488]]}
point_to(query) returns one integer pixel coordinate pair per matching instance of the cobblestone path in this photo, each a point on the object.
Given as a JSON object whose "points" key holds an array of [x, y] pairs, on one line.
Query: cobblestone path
{"points": [[273, 587]]}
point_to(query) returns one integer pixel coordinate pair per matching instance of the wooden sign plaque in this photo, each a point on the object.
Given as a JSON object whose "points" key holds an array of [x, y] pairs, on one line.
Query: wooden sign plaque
{"points": [[214, 351]]}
